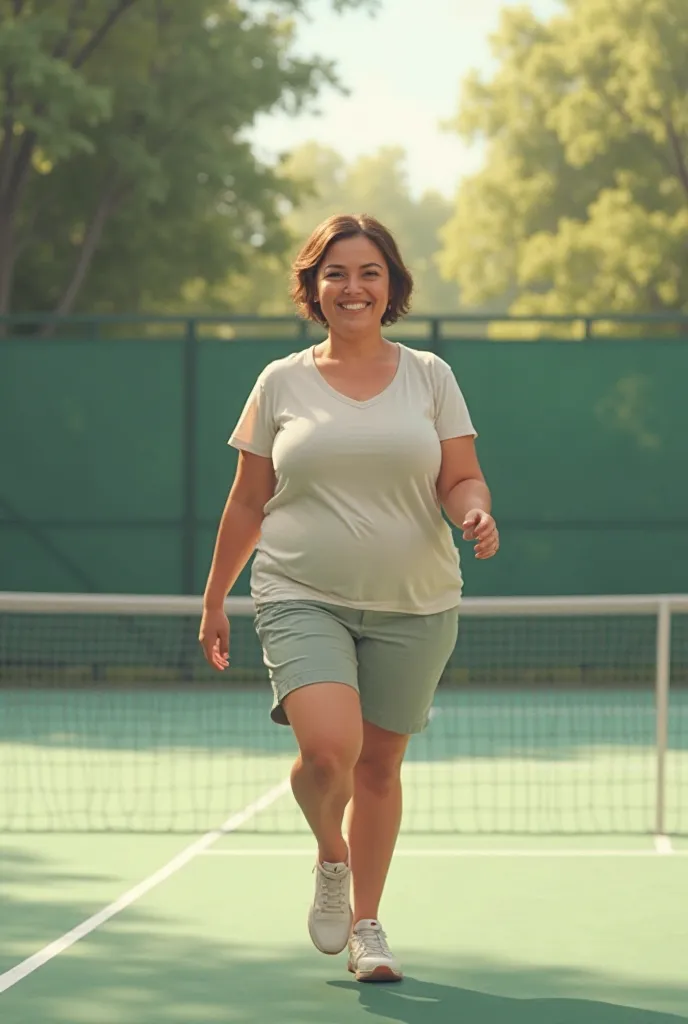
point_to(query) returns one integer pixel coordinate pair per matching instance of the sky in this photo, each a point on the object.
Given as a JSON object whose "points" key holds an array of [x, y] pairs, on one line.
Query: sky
{"points": [[403, 69]]}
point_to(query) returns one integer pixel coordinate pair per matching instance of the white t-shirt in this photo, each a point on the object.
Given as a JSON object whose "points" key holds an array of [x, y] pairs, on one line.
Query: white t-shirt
{"points": [[355, 519]]}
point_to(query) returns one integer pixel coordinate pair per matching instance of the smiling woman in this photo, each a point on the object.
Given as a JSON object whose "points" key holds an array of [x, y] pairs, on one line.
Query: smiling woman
{"points": [[360, 252], [349, 450]]}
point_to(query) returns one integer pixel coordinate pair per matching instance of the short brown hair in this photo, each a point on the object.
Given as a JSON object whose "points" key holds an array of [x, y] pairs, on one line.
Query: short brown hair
{"points": [[306, 264]]}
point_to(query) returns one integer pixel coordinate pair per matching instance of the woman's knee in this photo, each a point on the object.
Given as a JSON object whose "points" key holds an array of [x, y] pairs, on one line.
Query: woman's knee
{"points": [[378, 776], [330, 759], [378, 769], [327, 724]]}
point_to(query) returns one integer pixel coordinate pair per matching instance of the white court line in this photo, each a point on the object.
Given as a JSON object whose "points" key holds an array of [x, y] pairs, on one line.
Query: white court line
{"points": [[663, 845], [199, 846], [651, 853]]}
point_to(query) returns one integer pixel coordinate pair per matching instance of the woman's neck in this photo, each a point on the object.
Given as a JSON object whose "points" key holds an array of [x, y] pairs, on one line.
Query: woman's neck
{"points": [[354, 348]]}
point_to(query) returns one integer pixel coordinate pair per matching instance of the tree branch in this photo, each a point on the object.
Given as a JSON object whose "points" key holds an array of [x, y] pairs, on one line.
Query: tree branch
{"points": [[16, 174], [654, 303], [7, 135], [27, 233], [111, 197], [186, 115], [97, 37], [7, 260], [675, 143], [62, 46], [16, 167], [625, 116], [19, 171]]}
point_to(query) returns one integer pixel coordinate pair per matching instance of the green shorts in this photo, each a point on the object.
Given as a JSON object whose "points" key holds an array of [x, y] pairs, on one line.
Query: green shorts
{"points": [[394, 660]]}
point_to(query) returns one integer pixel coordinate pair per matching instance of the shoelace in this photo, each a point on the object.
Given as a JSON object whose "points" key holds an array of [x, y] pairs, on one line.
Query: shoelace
{"points": [[333, 896], [374, 941]]}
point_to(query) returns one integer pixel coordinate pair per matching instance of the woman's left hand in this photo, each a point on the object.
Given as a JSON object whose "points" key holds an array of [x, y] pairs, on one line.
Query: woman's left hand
{"points": [[479, 525]]}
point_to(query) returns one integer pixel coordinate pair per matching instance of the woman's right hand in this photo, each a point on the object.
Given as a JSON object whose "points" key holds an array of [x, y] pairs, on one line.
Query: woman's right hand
{"points": [[214, 637]]}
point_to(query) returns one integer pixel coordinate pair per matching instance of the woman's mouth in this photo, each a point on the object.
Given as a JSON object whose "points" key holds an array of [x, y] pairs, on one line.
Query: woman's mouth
{"points": [[354, 307]]}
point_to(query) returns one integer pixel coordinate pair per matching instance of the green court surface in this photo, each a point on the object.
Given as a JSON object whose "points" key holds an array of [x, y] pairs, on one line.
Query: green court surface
{"points": [[527, 886], [515, 931]]}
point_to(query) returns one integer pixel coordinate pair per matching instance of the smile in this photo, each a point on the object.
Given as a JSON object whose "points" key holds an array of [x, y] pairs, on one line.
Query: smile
{"points": [[354, 307]]}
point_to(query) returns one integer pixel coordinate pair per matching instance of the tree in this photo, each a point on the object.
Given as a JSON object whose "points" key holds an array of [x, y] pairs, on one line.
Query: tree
{"points": [[582, 205], [375, 184], [120, 135]]}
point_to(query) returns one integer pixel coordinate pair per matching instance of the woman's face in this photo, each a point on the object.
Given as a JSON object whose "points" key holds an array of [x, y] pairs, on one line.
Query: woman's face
{"points": [[353, 285]]}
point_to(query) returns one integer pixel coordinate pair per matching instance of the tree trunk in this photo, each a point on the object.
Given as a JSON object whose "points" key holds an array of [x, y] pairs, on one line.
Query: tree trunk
{"points": [[15, 166], [6, 259], [96, 38], [6, 219], [107, 204], [15, 175], [679, 156]]}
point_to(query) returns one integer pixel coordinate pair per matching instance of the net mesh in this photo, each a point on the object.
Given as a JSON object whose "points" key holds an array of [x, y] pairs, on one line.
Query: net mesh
{"points": [[543, 723]]}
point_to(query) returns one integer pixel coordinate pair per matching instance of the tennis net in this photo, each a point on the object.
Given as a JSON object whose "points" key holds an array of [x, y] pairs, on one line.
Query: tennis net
{"points": [[555, 715]]}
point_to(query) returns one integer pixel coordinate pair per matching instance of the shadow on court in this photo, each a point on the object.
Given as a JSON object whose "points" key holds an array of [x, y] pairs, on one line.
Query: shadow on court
{"points": [[191, 952], [24, 919], [146, 968], [425, 1002]]}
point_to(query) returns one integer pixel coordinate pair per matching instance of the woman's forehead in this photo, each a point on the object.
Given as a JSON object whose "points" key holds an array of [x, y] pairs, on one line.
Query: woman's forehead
{"points": [[355, 251]]}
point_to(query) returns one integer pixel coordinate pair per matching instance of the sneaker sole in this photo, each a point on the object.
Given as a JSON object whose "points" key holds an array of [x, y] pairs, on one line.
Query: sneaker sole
{"points": [[379, 974]]}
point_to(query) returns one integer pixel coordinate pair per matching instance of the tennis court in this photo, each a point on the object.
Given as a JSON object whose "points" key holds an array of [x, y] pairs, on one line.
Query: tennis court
{"points": [[154, 867]]}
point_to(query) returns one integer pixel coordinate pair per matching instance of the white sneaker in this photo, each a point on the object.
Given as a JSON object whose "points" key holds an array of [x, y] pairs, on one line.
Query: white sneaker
{"points": [[330, 917], [370, 958]]}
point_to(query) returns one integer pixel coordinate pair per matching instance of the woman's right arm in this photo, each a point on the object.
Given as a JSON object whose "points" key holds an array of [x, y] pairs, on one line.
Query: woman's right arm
{"points": [[237, 536]]}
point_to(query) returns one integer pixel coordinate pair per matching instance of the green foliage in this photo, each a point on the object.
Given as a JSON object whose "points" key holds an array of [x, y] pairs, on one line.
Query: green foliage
{"points": [[375, 184], [582, 205], [123, 170]]}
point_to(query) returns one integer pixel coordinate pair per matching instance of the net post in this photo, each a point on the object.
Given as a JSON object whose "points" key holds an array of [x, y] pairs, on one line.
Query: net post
{"points": [[662, 685]]}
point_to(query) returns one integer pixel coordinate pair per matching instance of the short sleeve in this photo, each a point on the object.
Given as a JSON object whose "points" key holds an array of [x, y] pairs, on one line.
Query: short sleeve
{"points": [[255, 429], [452, 418]]}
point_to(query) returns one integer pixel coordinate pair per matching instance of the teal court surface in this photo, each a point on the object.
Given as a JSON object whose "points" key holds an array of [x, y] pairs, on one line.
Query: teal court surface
{"points": [[527, 888], [531, 933]]}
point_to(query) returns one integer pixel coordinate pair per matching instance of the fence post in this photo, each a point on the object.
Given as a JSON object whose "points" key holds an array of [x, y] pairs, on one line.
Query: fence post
{"points": [[435, 333], [663, 682], [189, 445]]}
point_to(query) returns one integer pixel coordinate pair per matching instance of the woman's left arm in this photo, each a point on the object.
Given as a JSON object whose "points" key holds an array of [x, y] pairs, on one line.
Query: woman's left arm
{"points": [[464, 495]]}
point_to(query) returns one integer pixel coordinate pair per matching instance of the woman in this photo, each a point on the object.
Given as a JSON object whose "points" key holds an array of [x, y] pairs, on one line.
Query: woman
{"points": [[348, 451]]}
